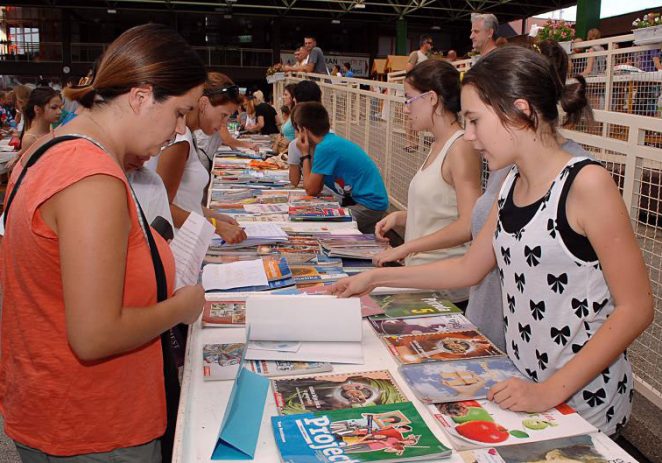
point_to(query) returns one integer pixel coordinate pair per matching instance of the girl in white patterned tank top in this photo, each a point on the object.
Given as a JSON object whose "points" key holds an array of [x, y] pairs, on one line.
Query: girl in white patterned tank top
{"points": [[575, 288]]}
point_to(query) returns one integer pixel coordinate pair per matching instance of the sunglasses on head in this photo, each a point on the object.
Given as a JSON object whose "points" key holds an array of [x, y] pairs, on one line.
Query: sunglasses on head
{"points": [[231, 90]]}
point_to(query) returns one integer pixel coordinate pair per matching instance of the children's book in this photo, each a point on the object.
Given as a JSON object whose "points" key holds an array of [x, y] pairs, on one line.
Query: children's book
{"points": [[275, 368], [386, 433], [474, 424], [406, 305], [333, 392], [387, 326], [224, 278], [441, 382], [221, 361], [588, 448], [224, 314], [431, 347], [315, 213], [316, 273]]}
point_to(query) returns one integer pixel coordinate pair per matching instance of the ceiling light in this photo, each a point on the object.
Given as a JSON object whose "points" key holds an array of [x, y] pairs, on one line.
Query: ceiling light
{"points": [[359, 5], [111, 11], [335, 21], [227, 16], [436, 28]]}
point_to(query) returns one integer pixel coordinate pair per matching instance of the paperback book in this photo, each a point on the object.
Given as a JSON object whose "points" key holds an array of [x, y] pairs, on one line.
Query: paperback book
{"points": [[387, 326], [316, 273], [224, 314], [333, 392], [589, 448], [432, 347], [386, 433], [273, 368], [316, 213], [407, 305], [441, 382], [221, 361], [474, 424]]}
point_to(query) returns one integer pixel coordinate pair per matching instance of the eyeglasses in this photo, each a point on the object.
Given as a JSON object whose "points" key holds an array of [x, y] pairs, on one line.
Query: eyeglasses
{"points": [[409, 101], [232, 91]]}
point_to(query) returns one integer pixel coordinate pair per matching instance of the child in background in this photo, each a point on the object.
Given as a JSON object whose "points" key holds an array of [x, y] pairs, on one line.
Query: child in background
{"points": [[575, 291]]}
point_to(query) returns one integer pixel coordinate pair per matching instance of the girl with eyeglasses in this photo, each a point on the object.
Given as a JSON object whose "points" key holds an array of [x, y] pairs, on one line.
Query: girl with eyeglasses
{"points": [[575, 290], [444, 190], [42, 109], [179, 165]]}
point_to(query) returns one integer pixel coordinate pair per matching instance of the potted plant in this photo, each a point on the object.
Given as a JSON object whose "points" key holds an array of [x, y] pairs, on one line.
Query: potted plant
{"points": [[648, 29], [274, 73], [560, 31]]}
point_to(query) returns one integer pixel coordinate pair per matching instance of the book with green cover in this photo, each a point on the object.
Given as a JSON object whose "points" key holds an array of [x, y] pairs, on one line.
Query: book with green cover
{"points": [[407, 305], [332, 392], [386, 433]]}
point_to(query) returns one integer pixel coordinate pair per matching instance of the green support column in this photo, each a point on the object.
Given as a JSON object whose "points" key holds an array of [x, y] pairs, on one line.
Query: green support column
{"points": [[401, 37], [588, 16]]}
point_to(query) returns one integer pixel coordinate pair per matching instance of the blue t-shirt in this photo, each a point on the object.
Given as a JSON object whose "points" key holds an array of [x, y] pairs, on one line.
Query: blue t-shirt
{"points": [[287, 129], [344, 163]]}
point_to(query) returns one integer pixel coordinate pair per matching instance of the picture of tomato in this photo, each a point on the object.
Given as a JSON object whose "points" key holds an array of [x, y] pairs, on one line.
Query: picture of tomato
{"points": [[483, 431]]}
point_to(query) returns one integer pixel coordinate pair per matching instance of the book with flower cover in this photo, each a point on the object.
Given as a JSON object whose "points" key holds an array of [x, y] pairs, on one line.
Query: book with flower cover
{"points": [[432, 347], [315, 213], [221, 361], [333, 392], [385, 433], [472, 424]]}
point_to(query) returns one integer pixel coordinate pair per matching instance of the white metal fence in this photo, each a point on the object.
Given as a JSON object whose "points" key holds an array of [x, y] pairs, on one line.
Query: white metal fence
{"points": [[627, 143]]}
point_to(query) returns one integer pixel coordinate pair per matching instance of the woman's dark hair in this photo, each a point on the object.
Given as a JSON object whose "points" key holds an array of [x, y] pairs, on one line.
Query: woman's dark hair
{"points": [[513, 72], [576, 91], [307, 90], [40, 96], [442, 78], [285, 109], [150, 54], [289, 88], [220, 89]]}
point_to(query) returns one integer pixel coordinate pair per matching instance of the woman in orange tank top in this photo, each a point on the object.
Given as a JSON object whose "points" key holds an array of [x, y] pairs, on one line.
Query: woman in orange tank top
{"points": [[81, 369]]}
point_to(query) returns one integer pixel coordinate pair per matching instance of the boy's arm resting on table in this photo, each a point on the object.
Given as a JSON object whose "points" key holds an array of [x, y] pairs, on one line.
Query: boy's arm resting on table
{"points": [[460, 272], [312, 183], [598, 209], [93, 264]]}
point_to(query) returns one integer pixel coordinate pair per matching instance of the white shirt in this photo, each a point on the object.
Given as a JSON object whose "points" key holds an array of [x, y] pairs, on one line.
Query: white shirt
{"points": [[151, 194]]}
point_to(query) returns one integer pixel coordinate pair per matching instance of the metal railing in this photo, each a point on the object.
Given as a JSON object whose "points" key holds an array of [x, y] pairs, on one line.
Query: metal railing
{"points": [[241, 57], [370, 114]]}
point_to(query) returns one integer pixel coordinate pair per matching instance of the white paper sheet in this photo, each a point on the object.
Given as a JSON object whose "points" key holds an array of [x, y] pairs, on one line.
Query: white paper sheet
{"points": [[234, 275], [189, 247], [267, 208], [303, 318], [257, 230], [332, 352], [278, 346]]}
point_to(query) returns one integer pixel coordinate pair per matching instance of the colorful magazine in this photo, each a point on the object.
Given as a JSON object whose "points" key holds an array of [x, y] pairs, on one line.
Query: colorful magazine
{"points": [[278, 273], [272, 368], [406, 305], [386, 433], [385, 326], [223, 314], [431, 347], [316, 273], [333, 392], [474, 424], [221, 361], [315, 213], [589, 448], [441, 382]]}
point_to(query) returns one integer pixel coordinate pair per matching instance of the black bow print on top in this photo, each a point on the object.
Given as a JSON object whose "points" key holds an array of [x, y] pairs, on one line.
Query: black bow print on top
{"points": [[524, 332], [610, 413], [580, 307], [557, 283], [598, 306], [518, 234], [537, 309], [596, 398], [532, 255], [505, 253], [520, 281], [551, 228], [542, 359], [532, 374], [501, 275], [515, 349], [560, 336], [622, 385], [605, 375], [511, 303]]}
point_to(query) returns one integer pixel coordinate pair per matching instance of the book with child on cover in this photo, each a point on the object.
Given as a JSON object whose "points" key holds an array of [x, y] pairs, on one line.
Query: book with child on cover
{"points": [[386, 433], [387, 326], [431, 347], [332, 392]]}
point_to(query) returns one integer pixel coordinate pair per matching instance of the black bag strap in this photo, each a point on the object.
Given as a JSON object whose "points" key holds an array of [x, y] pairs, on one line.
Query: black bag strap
{"points": [[30, 162]]}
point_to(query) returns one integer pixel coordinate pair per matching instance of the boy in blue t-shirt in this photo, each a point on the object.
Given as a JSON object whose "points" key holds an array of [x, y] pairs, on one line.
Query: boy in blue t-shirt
{"points": [[340, 164]]}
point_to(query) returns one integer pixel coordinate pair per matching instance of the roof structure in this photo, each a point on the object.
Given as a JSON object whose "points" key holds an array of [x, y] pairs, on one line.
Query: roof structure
{"points": [[442, 11]]}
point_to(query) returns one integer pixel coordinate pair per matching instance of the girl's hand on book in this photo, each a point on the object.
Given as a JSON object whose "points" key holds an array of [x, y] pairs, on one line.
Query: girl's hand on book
{"points": [[390, 255], [357, 285], [191, 299], [230, 233], [520, 395]]}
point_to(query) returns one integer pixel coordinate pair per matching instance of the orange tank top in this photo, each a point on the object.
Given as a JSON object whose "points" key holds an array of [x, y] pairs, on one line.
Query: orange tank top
{"points": [[50, 399]]}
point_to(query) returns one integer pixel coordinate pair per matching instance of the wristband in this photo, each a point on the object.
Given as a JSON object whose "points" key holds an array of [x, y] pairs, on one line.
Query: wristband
{"points": [[213, 222], [303, 158]]}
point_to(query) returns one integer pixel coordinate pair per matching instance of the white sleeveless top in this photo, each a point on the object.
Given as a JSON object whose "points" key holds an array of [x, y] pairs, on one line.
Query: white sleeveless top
{"points": [[553, 302], [195, 177], [432, 205]]}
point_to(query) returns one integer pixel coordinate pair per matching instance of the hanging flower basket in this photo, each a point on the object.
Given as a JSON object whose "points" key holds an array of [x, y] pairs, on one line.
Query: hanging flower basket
{"points": [[275, 77], [648, 30]]}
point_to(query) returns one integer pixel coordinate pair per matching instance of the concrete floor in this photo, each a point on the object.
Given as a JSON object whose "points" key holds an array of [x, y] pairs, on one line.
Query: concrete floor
{"points": [[7, 449]]}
